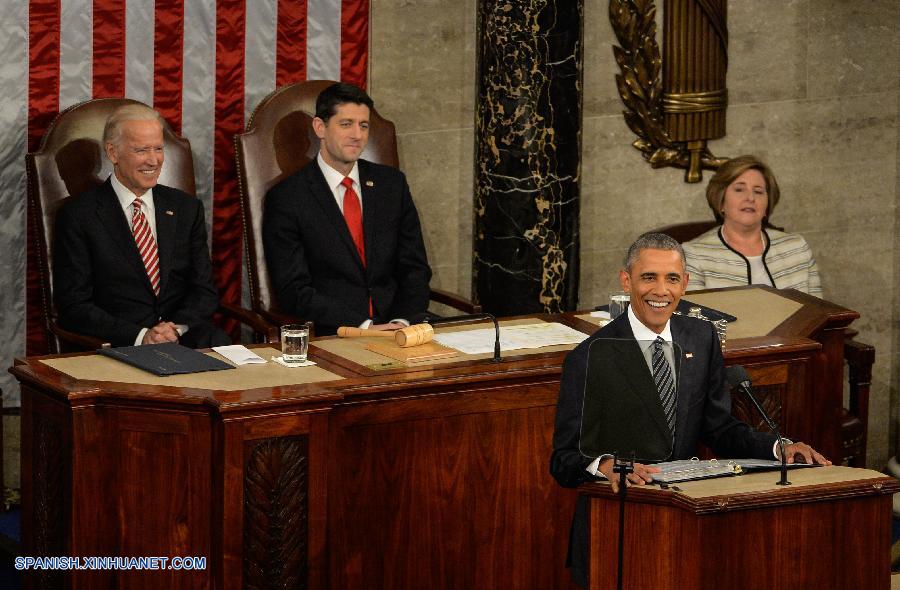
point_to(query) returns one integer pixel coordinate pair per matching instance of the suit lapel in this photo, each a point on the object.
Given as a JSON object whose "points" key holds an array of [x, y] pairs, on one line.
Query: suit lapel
{"points": [[325, 199], [166, 223], [369, 207], [638, 375], [682, 402], [112, 219]]}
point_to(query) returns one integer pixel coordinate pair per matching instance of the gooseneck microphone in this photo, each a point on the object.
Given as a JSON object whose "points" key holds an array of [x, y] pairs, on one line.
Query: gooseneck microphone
{"points": [[458, 319], [737, 377]]}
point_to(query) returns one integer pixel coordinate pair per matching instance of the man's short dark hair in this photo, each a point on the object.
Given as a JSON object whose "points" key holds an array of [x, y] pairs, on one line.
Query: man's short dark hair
{"points": [[338, 94], [652, 241]]}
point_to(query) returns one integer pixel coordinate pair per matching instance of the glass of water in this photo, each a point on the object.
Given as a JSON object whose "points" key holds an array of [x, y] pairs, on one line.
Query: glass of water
{"points": [[294, 343], [618, 303]]}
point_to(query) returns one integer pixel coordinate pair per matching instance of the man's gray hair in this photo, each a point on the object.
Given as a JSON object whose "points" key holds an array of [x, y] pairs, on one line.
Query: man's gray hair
{"points": [[112, 131], [652, 241]]}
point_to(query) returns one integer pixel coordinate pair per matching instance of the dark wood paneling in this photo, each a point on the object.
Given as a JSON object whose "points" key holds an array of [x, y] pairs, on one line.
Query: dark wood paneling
{"points": [[445, 491], [46, 471], [804, 544], [142, 487]]}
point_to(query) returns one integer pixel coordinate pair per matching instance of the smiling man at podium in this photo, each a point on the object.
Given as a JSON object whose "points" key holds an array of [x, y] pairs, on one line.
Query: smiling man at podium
{"points": [[649, 381]]}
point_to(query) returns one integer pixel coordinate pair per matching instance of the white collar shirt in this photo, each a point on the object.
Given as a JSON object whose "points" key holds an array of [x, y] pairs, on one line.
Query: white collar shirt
{"points": [[126, 198], [333, 179], [646, 337]]}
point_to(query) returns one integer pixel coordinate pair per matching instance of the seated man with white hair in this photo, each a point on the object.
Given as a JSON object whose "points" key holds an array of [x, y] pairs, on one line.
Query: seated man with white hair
{"points": [[130, 261]]}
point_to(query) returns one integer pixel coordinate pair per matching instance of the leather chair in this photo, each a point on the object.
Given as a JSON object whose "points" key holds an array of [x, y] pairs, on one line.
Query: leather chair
{"points": [[71, 160], [280, 140], [859, 357]]}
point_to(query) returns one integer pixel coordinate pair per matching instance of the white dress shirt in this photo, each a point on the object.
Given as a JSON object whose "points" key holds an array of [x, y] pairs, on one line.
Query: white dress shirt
{"points": [[126, 198]]}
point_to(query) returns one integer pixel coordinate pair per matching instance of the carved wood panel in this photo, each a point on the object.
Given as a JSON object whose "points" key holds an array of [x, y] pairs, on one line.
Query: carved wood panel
{"points": [[769, 397], [275, 552], [48, 473]]}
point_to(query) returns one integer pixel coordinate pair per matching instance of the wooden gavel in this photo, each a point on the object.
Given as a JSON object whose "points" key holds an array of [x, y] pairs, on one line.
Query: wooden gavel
{"points": [[405, 337]]}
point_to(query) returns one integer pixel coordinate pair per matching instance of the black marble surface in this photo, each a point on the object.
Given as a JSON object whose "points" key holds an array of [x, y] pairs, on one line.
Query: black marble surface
{"points": [[527, 155]]}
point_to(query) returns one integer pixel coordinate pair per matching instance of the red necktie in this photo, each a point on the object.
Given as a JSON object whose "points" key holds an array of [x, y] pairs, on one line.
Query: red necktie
{"points": [[146, 245], [353, 217]]}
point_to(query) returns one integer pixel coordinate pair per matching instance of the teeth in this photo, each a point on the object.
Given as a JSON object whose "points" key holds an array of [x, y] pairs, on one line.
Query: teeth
{"points": [[657, 303]]}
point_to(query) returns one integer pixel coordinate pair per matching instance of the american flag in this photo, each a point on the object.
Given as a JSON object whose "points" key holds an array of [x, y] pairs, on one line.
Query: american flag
{"points": [[204, 64]]}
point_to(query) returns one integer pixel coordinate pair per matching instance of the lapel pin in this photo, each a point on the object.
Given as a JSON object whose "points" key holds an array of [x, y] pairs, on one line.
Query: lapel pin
{"points": [[170, 213], [370, 183], [689, 355]]}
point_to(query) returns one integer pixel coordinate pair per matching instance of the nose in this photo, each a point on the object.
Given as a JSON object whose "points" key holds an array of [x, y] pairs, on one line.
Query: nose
{"points": [[660, 287]]}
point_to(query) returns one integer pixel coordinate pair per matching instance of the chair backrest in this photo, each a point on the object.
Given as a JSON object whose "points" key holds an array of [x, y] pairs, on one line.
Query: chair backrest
{"points": [[684, 232], [280, 140], [70, 161]]}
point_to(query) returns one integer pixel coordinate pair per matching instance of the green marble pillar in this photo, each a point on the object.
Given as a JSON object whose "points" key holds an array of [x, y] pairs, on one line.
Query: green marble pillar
{"points": [[527, 155]]}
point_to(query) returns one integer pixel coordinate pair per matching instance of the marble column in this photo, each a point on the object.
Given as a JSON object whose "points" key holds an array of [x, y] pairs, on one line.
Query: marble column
{"points": [[527, 155]]}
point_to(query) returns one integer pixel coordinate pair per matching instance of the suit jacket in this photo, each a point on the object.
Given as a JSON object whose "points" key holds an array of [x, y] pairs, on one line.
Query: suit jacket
{"points": [[315, 268], [702, 412], [101, 287]]}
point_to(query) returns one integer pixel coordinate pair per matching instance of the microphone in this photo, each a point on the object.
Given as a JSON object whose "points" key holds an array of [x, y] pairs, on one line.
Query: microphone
{"points": [[737, 377], [458, 319]]}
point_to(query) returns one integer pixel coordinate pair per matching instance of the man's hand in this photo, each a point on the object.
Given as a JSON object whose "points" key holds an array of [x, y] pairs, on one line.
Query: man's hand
{"points": [[801, 453], [161, 332], [642, 474], [388, 326]]}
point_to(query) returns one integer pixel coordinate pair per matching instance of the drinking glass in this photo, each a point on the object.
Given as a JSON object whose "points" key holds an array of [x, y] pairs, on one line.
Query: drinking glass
{"points": [[618, 303], [294, 343]]}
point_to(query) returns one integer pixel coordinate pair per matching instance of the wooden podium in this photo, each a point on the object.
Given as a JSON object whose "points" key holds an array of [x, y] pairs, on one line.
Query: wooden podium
{"points": [[829, 530]]}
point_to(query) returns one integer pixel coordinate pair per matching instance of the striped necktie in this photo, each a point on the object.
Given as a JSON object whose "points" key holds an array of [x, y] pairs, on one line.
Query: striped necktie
{"points": [[665, 384], [146, 245]]}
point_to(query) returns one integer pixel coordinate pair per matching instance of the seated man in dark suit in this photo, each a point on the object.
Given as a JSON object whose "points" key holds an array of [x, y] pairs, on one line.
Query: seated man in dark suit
{"points": [[693, 402], [342, 236], [130, 262]]}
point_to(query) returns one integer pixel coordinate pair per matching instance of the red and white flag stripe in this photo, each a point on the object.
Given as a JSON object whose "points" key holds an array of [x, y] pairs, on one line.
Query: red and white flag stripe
{"points": [[204, 64]]}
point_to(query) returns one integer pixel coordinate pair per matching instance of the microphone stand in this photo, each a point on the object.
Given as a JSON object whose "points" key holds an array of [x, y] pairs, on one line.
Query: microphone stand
{"points": [[623, 467], [745, 387], [468, 318]]}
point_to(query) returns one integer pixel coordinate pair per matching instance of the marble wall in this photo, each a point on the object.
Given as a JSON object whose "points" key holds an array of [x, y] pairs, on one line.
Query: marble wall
{"points": [[813, 89]]}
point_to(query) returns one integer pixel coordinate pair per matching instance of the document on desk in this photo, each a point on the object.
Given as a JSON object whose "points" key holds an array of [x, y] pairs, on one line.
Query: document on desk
{"points": [[167, 358], [691, 469], [538, 335]]}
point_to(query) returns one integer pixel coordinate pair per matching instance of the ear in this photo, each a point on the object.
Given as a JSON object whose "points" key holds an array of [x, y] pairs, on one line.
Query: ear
{"points": [[684, 283], [625, 281], [319, 127], [110, 149]]}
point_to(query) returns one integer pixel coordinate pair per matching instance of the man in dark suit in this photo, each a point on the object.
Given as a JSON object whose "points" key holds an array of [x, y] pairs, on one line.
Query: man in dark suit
{"points": [[695, 407], [342, 236], [130, 260]]}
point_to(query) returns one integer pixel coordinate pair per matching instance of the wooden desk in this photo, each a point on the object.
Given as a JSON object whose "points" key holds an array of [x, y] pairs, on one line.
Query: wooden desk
{"points": [[433, 477]]}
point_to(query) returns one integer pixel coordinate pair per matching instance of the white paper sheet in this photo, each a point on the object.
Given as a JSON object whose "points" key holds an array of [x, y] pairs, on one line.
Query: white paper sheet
{"points": [[537, 335], [239, 355]]}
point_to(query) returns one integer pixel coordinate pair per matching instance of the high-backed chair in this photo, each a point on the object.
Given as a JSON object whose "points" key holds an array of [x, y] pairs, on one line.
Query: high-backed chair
{"points": [[280, 140], [859, 357], [69, 161]]}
